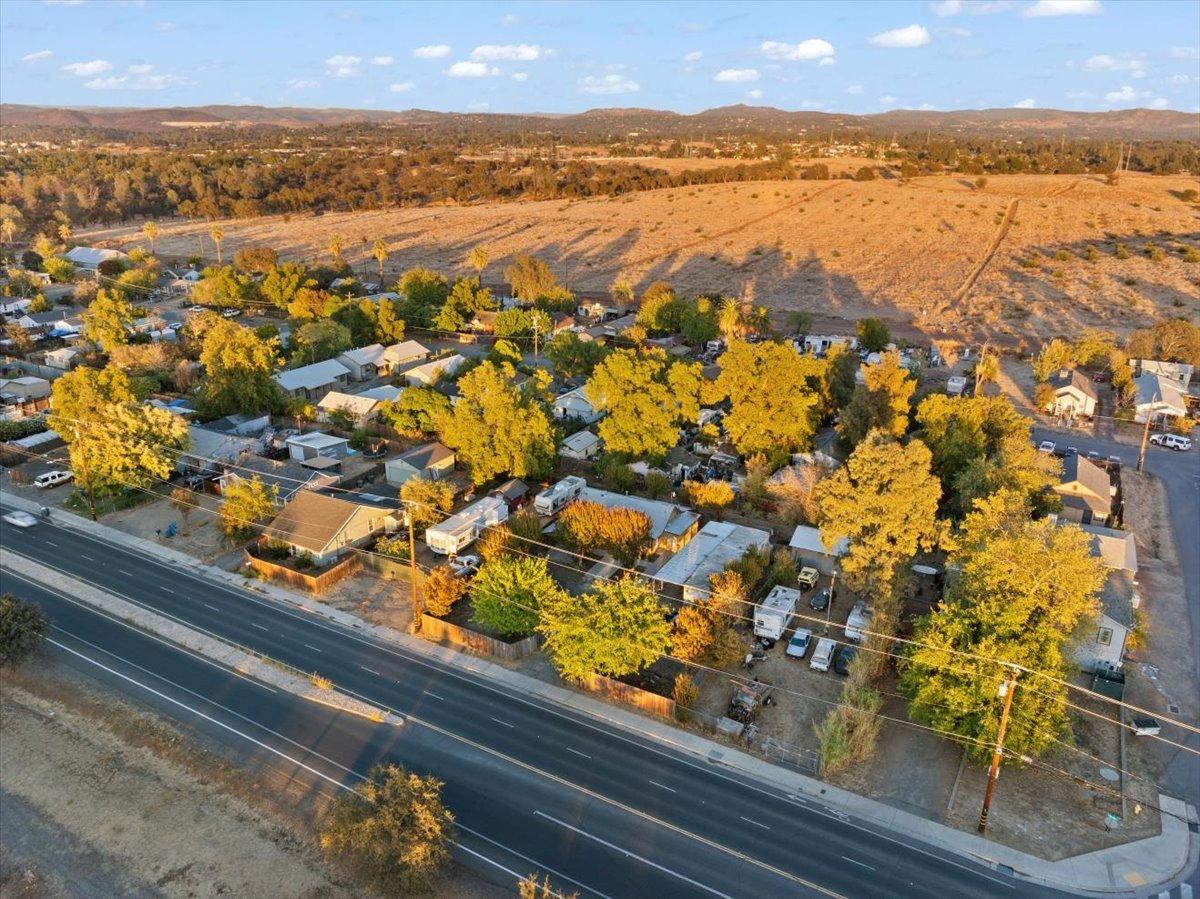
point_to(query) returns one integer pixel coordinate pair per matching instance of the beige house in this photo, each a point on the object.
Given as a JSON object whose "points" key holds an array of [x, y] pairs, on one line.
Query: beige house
{"points": [[377, 360], [326, 527], [1074, 394], [1086, 491]]}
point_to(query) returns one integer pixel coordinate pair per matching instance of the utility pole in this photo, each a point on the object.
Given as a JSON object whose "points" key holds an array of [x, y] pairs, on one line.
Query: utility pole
{"points": [[1006, 690], [87, 478], [536, 328], [415, 588], [1146, 433]]}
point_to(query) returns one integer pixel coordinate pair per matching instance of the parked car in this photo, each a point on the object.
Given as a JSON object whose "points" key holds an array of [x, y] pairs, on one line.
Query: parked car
{"points": [[797, 647], [20, 519], [52, 479], [1172, 441], [820, 600], [464, 566], [823, 654], [1046, 446], [230, 313], [842, 663], [807, 578], [196, 310]]}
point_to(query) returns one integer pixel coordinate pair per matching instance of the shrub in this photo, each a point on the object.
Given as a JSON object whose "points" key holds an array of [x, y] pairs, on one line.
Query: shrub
{"points": [[526, 526], [866, 173], [22, 629], [658, 485], [442, 590], [304, 561], [1121, 252], [507, 594], [587, 526], [686, 694]]}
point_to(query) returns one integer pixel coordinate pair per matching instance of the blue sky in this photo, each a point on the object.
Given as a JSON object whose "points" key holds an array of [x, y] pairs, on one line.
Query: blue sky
{"points": [[563, 57]]}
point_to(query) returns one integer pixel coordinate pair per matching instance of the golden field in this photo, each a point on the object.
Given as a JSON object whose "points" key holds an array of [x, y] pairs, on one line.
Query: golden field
{"points": [[935, 255]]}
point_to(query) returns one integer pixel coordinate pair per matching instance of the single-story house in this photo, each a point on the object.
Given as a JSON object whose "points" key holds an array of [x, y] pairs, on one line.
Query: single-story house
{"points": [[573, 404], [1101, 647], [384, 393], [377, 360], [1086, 491], [806, 545], [603, 309], [313, 381], [432, 461], [89, 258], [682, 465], [1158, 398], [27, 387], [64, 357], [49, 322], [243, 424], [359, 408], [1176, 371], [431, 372], [581, 445], [713, 547], [1074, 394], [14, 305], [326, 527], [514, 492], [316, 444], [208, 450], [285, 476]]}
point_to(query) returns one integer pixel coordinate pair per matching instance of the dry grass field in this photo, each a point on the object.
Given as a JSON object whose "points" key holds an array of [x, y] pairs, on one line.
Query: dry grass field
{"points": [[935, 255]]}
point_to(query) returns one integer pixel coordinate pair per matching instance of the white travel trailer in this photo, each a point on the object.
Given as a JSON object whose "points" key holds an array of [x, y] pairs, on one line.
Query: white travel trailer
{"points": [[771, 616], [459, 531], [556, 496]]}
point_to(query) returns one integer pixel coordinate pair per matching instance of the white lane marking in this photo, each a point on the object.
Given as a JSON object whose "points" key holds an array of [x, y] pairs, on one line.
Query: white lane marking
{"points": [[82, 556], [577, 752], [260, 627], [207, 606], [336, 783], [434, 695], [628, 854], [505, 723], [310, 646], [369, 670], [664, 787], [167, 589], [50, 543], [854, 862], [124, 572], [755, 823]]}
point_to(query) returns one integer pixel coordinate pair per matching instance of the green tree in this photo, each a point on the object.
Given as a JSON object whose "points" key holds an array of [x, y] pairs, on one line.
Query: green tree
{"points": [[873, 334], [772, 407], [698, 321], [108, 320], [572, 357], [245, 504], [318, 341], [1052, 357], [23, 627], [150, 232], [588, 527], [308, 303], [255, 260], [238, 368], [615, 628], [884, 501], [661, 311], [393, 829], [730, 318], [711, 496], [478, 259], [224, 286], [530, 278], [423, 287], [508, 594], [646, 396], [418, 410], [496, 428], [441, 589], [281, 284], [1023, 590], [60, 270], [880, 402], [522, 323], [428, 501], [465, 299], [987, 369], [1172, 340]]}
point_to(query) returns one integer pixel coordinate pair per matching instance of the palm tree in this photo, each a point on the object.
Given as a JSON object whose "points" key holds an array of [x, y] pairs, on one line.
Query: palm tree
{"points": [[217, 236], [478, 260], [986, 369], [729, 318], [65, 232], [150, 232], [335, 249], [380, 252], [8, 230]]}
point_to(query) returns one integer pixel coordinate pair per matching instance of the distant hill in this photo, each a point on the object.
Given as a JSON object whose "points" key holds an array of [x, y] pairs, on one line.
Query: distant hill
{"points": [[618, 122]]}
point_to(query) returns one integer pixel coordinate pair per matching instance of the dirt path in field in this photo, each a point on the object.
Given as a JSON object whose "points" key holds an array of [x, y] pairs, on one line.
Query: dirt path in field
{"points": [[981, 266], [1062, 189]]}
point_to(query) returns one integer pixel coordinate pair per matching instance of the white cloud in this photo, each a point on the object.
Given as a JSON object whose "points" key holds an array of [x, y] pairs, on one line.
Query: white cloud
{"points": [[303, 84], [432, 51], [946, 8], [520, 76], [34, 57], [608, 84], [382, 60], [1185, 52], [888, 100], [343, 66], [401, 87], [136, 82], [472, 70], [827, 61], [1134, 63], [510, 20], [1064, 8], [511, 52], [1159, 103], [912, 36], [82, 69], [1027, 103], [812, 48], [755, 94], [1180, 79], [694, 56], [1125, 95], [812, 104], [958, 32], [736, 76], [140, 69], [854, 89], [927, 107]]}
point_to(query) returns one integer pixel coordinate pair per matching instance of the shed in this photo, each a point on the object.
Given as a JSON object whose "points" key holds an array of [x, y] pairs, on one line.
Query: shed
{"points": [[317, 444], [581, 445], [808, 549], [432, 461]]}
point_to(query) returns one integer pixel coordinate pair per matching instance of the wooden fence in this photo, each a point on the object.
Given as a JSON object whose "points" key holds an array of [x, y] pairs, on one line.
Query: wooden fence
{"points": [[314, 583], [390, 569], [616, 691], [438, 631]]}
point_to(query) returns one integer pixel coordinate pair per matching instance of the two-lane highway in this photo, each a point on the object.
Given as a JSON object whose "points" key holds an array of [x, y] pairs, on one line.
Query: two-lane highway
{"points": [[614, 812]]}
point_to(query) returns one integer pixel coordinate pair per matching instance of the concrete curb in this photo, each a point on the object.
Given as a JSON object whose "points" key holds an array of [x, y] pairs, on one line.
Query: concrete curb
{"points": [[240, 660], [1129, 869]]}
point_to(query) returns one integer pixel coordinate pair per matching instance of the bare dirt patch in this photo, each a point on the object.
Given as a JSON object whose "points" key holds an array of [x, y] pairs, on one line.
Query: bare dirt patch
{"points": [[840, 248]]}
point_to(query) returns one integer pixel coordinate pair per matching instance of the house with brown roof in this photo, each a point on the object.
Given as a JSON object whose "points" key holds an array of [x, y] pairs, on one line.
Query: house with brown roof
{"points": [[1086, 491], [326, 527]]}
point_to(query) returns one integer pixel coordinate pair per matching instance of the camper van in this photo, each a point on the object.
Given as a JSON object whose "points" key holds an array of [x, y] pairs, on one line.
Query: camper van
{"points": [[457, 532], [858, 621], [551, 500], [771, 616]]}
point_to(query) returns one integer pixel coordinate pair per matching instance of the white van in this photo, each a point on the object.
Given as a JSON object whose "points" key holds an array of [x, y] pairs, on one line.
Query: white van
{"points": [[52, 479], [823, 656], [1173, 441]]}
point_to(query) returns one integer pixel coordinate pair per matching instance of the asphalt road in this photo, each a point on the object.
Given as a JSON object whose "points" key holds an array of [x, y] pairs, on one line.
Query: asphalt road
{"points": [[600, 808]]}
